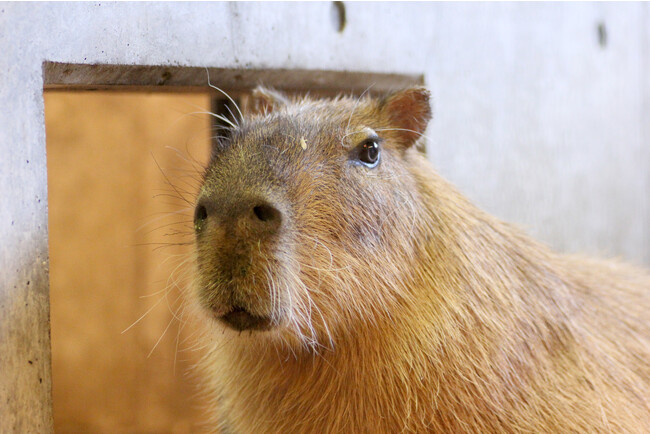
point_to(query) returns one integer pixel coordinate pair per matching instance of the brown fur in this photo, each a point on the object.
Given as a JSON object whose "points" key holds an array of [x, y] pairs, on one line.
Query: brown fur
{"points": [[398, 306]]}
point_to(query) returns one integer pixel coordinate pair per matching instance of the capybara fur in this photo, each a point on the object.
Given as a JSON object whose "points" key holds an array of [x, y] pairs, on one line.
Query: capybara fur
{"points": [[346, 288]]}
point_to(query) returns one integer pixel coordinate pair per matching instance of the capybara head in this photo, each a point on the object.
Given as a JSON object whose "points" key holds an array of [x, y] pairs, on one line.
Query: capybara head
{"points": [[307, 219]]}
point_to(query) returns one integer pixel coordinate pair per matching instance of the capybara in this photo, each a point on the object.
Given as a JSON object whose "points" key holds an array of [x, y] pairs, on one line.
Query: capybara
{"points": [[346, 288]]}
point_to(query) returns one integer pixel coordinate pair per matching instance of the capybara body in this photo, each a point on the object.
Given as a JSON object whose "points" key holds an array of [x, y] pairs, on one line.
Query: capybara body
{"points": [[345, 287]]}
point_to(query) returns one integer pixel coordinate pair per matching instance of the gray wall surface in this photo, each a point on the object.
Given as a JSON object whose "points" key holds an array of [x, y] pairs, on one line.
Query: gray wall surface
{"points": [[541, 117]]}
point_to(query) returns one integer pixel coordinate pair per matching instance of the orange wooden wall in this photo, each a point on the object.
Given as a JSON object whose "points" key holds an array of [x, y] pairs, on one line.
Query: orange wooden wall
{"points": [[112, 254]]}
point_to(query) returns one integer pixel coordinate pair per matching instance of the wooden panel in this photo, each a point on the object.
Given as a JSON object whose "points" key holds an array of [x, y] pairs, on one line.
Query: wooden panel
{"points": [[68, 76], [109, 206]]}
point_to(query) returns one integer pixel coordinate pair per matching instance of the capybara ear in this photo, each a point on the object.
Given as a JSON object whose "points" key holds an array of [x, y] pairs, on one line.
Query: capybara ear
{"points": [[409, 112], [265, 100]]}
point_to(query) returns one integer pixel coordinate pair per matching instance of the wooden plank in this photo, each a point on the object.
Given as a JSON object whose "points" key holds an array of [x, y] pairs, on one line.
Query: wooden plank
{"points": [[119, 238], [66, 76]]}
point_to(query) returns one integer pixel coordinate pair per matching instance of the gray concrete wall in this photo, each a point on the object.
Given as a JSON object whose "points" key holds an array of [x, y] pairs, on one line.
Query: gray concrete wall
{"points": [[537, 119], [545, 124]]}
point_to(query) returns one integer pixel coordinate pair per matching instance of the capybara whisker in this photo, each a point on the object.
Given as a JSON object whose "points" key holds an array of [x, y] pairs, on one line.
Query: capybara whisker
{"points": [[343, 286]]}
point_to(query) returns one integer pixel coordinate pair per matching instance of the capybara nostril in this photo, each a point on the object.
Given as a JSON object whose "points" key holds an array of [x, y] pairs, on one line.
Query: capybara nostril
{"points": [[268, 215], [200, 216]]}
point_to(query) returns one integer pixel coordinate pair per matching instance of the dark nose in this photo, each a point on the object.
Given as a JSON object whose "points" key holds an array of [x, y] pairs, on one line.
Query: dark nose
{"points": [[264, 219], [243, 218]]}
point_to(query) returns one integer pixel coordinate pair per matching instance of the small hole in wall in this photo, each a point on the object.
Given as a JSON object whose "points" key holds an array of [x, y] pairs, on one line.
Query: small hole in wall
{"points": [[339, 18], [602, 35]]}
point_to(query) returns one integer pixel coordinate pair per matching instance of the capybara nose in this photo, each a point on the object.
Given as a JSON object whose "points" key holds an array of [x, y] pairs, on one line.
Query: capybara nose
{"points": [[241, 217], [263, 219]]}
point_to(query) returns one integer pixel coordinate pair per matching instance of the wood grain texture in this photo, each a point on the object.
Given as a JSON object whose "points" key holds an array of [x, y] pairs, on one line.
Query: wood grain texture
{"points": [[67, 76]]}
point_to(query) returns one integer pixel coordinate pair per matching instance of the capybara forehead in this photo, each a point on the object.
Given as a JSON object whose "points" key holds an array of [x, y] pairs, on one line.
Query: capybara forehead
{"points": [[309, 119], [284, 129], [288, 138]]}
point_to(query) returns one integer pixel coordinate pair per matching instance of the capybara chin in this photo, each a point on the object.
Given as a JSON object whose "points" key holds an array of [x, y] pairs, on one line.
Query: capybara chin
{"points": [[346, 288]]}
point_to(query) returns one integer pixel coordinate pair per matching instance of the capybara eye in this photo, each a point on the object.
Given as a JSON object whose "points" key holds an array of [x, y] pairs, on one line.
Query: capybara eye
{"points": [[369, 152], [200, 216]]}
